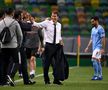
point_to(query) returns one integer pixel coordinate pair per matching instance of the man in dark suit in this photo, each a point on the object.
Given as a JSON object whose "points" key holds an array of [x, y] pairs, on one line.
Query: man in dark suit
{"points": [[53, 39], [24, 27]]}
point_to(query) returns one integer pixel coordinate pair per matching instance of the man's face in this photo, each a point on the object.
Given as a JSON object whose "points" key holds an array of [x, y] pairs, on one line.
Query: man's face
{"points": [[54, 17], [93, 22]]}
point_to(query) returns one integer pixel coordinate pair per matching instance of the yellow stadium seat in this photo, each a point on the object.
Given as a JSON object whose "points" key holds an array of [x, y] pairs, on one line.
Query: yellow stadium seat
{"points": [[105, 14], [78, 3], [65, 20], [95, 3], [36, 9], [8, 1]]}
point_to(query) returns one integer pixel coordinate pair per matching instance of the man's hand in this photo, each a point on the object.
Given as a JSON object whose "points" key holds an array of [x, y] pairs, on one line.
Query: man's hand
{"points": [[41, 50], [102, 51], [86, 49], [61, 42]]}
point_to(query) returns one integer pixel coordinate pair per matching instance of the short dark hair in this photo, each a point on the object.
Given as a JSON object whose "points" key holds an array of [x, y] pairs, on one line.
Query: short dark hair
{"points": [[96, 18], [9, 10], [17, 14]]}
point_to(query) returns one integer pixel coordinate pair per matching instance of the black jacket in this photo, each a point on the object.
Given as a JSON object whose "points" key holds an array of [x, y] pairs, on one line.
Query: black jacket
{"points": [[62, 66]]}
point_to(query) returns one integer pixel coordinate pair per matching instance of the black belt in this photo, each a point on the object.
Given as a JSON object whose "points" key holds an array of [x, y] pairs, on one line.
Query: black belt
{"points": [[52, 43]]}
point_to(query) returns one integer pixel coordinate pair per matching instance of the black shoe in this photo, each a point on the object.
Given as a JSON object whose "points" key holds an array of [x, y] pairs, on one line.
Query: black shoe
{"points": [[32, 76], [47, 83], [57, 82], [30, 82], [1, 84], [5, 85], [10, 81]]}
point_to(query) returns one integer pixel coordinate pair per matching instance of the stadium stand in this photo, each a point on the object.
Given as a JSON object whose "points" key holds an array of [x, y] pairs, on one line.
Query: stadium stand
{"points": [[76, 12], [75, 17]]}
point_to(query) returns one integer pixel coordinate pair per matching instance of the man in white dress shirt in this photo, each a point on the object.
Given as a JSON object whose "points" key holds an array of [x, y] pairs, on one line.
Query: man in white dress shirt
{"points": [[53, 40]]}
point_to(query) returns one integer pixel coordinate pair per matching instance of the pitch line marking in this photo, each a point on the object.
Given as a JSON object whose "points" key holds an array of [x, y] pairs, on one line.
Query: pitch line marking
{"points": [[39, 75]]}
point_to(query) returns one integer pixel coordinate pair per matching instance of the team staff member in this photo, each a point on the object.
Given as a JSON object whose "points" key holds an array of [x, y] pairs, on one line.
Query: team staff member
{"points": [[52, 39], [10, 50], [25, 27], [1, 71]]}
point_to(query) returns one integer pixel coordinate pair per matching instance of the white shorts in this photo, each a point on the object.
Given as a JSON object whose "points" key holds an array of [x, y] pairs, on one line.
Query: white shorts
{"points": [[96, 54]]}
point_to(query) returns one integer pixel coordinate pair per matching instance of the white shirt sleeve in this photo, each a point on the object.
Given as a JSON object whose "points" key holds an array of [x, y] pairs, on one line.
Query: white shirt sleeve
{"points": [[40, 25], [60, 33]]}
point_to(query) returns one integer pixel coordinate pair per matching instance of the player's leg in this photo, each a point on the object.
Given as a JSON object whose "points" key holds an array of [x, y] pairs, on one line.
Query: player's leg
{"points": [[32, 66], [95, 65], [99, 66], [32, 62]]}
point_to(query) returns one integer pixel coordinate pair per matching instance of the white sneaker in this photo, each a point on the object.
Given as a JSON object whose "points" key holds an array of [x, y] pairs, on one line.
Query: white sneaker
{"points": [[11, 82]]}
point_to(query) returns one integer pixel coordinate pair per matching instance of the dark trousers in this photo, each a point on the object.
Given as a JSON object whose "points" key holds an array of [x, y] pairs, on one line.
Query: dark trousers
{"points": [[1, 68], [51, 51], [10, 63], [24, 65]]}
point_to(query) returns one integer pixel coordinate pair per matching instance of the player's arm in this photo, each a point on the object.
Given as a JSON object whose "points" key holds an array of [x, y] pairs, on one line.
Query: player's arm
{"points": [[102, 35], [89, 44], [42, 24], [103, 45], [41, 38]]}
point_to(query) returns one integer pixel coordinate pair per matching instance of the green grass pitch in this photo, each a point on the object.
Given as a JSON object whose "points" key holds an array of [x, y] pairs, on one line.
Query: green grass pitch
{"points": [[79, 79]]}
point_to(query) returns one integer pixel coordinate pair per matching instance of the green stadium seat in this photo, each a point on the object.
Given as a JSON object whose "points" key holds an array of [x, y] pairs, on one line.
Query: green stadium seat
{"points": [[44, 9], [85, 33], [106, 29], [71, 8], [63, 14], [73, 17], [75, 29], [19, 6], [24, 1], [83, 27], [103, 2]]}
